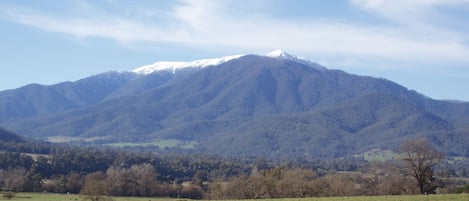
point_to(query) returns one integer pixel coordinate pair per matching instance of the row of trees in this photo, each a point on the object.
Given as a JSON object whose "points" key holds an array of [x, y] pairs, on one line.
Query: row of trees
{"points": [[142, 180], [138, 180], [279, 183], [19, 179], [115, 173], [413, 173]]}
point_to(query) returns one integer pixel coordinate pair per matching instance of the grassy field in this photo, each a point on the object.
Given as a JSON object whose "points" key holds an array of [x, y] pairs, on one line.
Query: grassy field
{"points": [[63, 197], [166, 143]]}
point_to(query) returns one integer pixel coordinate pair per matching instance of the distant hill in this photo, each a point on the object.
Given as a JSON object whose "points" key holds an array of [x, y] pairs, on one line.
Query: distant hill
{"points": [[7, 136], [275, 106], [34, 99]]}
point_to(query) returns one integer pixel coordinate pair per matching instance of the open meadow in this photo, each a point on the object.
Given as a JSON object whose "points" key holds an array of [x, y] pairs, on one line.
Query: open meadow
{"points": [[64, 197]]}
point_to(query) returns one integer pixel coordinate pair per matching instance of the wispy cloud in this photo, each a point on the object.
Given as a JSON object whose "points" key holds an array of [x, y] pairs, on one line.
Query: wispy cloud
{"points": [[114, 27], [411, 35], [410, 12]]}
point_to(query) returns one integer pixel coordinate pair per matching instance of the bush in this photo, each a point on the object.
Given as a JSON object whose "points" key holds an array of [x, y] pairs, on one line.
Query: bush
{"points": [[8, 195], [464, 189], [192, 192]]}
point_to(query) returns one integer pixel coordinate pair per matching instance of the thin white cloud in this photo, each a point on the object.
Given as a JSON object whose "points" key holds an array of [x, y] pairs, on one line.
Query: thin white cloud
{"points": [[408, 11], [120, 29], [213, 23]]}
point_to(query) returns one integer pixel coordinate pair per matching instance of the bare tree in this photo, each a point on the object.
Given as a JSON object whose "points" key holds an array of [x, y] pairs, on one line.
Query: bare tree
{"points": [[74, 182], [145, 178], [95, 187], [298, 183], [13, 179], [340, 184], [420, 158], [138, 180], [116, 178]]}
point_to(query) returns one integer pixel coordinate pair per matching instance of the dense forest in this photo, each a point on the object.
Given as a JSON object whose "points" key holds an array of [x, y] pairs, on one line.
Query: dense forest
{"points": [[44, 167]]}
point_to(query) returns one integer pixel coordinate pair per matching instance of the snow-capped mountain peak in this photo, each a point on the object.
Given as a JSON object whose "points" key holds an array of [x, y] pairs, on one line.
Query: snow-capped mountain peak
{"points": [[280, 54], [174, 66]]}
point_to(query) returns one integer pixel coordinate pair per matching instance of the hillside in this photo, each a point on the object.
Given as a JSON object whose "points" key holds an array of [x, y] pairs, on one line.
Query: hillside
{"points": [[254, 105], [7, 136], [34, 99]]}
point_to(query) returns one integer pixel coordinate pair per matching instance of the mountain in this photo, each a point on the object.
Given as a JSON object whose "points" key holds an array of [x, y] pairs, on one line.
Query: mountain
{"points": [[7, 136], [35, 99], [277, 105]]}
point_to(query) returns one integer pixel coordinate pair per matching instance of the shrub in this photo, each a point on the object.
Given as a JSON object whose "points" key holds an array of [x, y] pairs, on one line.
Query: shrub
{"points": [[8, 195]]}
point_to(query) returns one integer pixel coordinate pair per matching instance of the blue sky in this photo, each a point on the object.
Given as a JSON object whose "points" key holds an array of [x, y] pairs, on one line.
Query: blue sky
{"points": [[420, 44]]}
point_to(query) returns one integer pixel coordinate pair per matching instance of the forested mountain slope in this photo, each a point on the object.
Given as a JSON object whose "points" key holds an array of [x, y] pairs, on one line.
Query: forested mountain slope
{"points": [[261, 106]]}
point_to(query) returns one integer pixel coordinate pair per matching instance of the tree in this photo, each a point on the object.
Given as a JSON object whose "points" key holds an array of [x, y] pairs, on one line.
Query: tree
{"points": [[199, 177], [33, 181], [74, 182], [138, 180], [420, 158], [145, 177], [298, 183], [340, 185], [14, 179], [117, 178], [95, 187]]}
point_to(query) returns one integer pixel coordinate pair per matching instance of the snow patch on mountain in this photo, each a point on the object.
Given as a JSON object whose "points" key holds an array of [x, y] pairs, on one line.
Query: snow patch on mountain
{"points": [[280, 54], [174, 66]]}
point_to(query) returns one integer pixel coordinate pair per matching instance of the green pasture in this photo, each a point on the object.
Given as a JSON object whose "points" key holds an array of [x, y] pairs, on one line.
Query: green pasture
{"points": [[64, 197], [167, 143], [378, 155]]}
